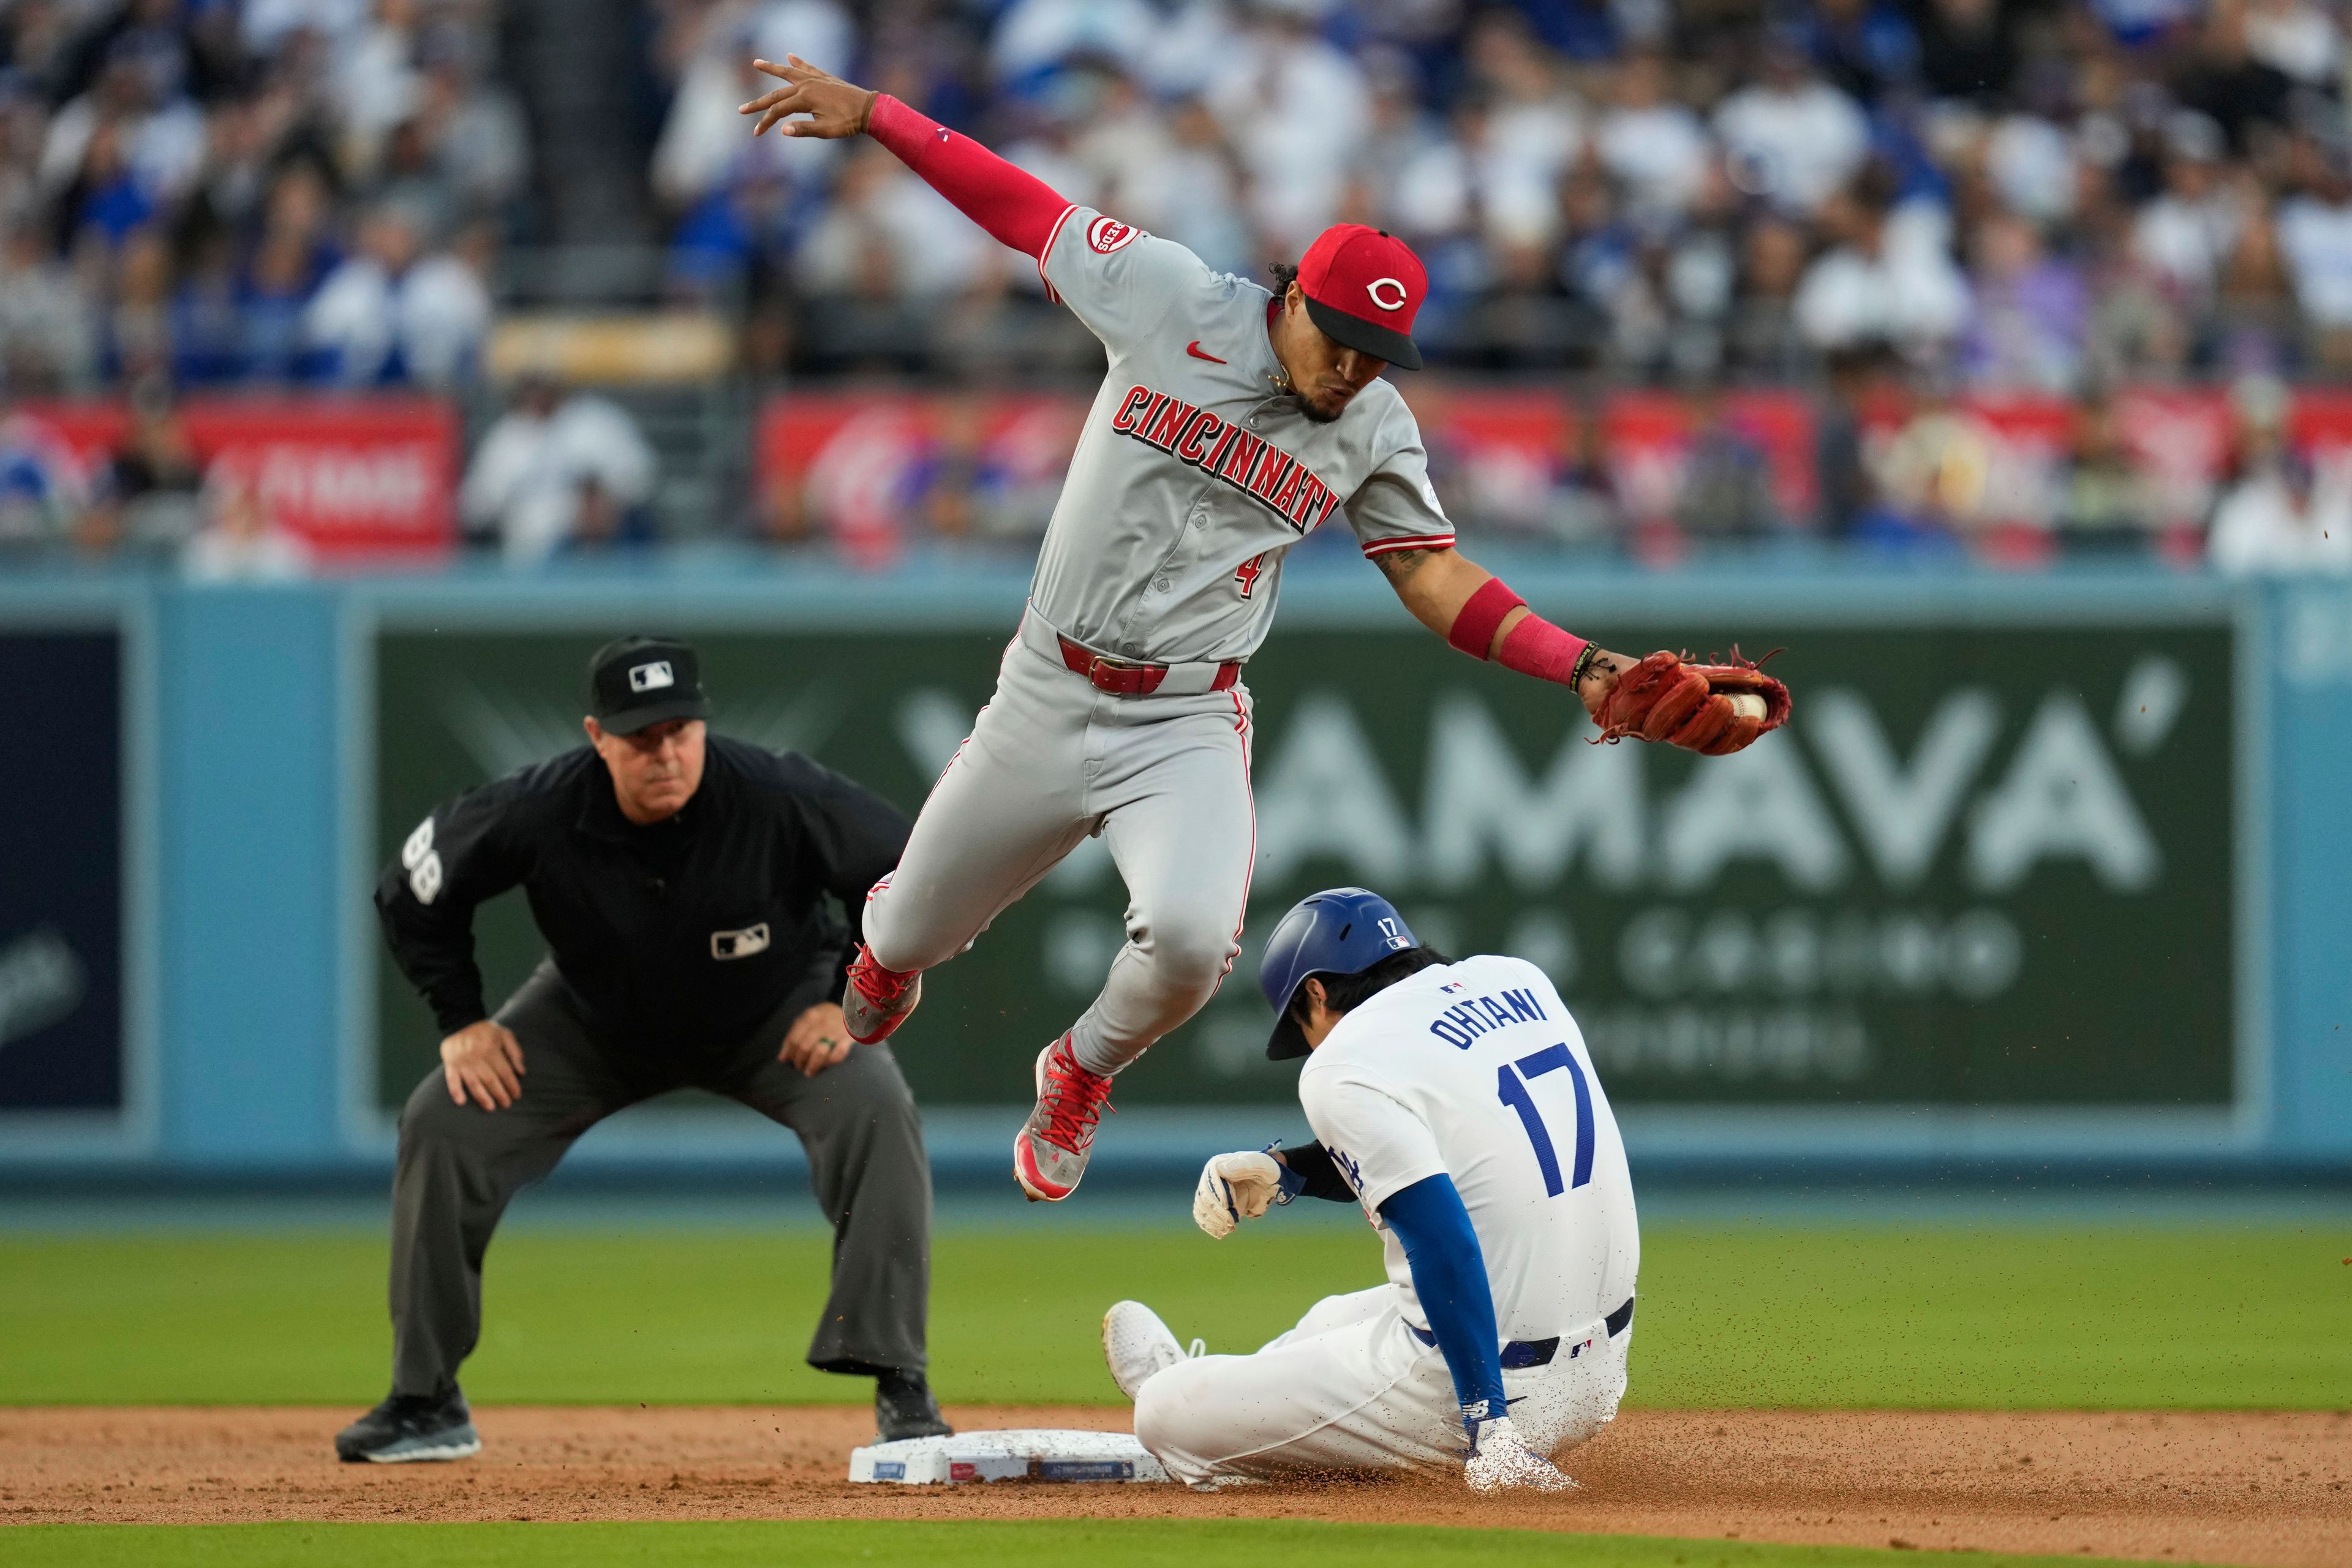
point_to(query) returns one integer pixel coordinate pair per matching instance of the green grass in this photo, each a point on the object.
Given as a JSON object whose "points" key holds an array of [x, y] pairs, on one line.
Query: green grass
{"points": [[1133, 1544], [2021, 1317]]}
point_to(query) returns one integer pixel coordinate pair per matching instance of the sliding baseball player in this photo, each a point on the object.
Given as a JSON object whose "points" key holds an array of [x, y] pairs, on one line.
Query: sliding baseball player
{"points": [[1233, 422], [1456, 1102]]}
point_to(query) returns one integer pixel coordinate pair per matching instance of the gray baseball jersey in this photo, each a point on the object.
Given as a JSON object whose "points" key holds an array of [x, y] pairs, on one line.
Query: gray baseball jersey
{"points": [[1196, 472]]}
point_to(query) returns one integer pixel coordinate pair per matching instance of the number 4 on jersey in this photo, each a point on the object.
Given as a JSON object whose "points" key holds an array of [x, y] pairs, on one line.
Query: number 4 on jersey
{"points": [[1513, 1088], [1247, 573]]}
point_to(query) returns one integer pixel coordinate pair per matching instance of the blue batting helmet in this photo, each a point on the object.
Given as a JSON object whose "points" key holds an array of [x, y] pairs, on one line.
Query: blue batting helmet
{"points": [[1340, 931]]}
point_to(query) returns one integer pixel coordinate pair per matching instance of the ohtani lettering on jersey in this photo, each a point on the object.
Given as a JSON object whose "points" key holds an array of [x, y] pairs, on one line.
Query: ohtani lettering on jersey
{"points": [[1256, 467], [1464, 1022]]}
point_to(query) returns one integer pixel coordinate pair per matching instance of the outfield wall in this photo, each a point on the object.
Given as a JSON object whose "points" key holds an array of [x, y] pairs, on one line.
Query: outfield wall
{"points": [[2049, 873]]}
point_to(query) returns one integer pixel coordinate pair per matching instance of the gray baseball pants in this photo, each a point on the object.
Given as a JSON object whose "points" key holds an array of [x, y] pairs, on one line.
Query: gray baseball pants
{"points": [[460, 1165], [1052, 761]]}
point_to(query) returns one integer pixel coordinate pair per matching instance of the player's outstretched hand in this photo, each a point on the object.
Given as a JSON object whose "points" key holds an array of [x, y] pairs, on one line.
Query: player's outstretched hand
{"points": [[483, 1060], [817, 1039], [1502, 1461], [834, 108], [1599, 679], [1234, 1187]]}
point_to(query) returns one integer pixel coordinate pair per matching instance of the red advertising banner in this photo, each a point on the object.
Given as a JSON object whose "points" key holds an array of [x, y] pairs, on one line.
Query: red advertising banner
{"points": [[1654, 438], [2014, 473], [872, 471], [2321, 421], [360, 480], [1503, 459], [2181, 441], [879, 471]]}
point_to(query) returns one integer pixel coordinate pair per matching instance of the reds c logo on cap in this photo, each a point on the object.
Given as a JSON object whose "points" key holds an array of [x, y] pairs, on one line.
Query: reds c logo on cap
{"points": [[1363, 288], [1105, 235]]}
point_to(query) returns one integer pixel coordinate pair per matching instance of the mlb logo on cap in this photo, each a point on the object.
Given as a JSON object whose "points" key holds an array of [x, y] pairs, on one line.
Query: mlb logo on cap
{"points": [[637, 683], [1363, 288]]}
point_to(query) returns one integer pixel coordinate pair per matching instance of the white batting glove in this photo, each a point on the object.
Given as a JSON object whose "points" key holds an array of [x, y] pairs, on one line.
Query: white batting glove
{"points": [[1500, 1460], [1234, 1187]]}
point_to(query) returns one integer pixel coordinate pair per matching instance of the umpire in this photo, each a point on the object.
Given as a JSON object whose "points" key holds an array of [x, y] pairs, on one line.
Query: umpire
{"points": [[679, 879]]}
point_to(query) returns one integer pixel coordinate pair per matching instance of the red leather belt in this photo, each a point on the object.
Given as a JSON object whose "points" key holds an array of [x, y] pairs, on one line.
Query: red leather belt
{"points": [[1128, 678]]}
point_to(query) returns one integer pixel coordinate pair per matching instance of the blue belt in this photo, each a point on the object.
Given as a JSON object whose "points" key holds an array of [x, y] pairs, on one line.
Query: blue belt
{"points": [[1520, 1354]]}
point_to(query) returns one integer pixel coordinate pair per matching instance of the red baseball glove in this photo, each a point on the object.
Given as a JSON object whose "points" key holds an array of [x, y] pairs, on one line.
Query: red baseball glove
{"points": [[1713, 709]]}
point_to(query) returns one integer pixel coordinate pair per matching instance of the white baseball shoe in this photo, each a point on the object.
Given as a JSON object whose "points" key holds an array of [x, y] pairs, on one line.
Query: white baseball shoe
{"points": [[1138, 1346]]}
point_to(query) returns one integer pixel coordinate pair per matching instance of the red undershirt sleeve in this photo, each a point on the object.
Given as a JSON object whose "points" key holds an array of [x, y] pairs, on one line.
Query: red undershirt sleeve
{"points": [[1017, 208]]}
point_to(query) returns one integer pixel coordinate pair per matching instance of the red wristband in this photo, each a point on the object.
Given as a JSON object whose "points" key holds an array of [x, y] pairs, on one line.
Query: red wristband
{"points": [[1537, 647], [1473, 628]]}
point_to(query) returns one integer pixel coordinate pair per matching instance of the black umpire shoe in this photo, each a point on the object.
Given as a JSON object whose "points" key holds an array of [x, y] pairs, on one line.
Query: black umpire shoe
{"points": [[903, 1407], [407, 1429]]}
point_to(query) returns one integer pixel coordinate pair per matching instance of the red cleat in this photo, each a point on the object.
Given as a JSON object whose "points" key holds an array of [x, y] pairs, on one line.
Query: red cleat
{"points": [[879, 1000], [1049, 1155]]}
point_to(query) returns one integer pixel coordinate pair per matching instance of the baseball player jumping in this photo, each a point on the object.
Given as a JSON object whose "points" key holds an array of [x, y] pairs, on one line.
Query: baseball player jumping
{"points": [[1234, 421], [1456, 1102]]}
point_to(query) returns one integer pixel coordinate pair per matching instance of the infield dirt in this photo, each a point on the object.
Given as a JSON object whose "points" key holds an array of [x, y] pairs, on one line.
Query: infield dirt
{"points": [[2235, 1488]]}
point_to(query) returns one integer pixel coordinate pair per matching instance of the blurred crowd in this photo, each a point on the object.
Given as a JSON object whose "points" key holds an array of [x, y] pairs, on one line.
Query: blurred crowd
{"points": [[2044, 193], [1902, 208], [290, 192]]}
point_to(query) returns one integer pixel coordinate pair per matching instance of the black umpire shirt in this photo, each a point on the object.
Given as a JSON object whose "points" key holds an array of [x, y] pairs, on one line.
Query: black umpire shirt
{"points": [[682, 936]]}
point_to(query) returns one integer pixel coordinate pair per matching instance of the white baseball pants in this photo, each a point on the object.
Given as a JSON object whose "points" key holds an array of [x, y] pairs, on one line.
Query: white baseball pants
{"points": [[1050, 762], [1352, 1388]]}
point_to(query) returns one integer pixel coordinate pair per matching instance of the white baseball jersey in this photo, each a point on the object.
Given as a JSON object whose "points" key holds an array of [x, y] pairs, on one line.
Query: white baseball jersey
{"points": [[1195, 471], [1477, 1071]]}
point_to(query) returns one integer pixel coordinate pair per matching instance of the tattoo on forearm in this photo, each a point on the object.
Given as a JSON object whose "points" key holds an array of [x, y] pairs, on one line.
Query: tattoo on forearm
{"points": [[1400, 564]]}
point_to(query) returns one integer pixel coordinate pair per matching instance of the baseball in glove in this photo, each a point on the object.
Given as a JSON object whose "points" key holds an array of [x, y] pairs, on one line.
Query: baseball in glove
{"points": [[1712, 709]]}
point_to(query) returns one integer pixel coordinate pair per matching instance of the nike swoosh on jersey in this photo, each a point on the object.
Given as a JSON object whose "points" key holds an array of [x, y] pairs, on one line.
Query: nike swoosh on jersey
{"points": [[1197, 351]]}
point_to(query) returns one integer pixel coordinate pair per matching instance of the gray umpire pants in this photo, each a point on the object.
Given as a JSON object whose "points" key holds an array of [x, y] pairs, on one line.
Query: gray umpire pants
{"points": [[460, 1165], [1165, 780]]}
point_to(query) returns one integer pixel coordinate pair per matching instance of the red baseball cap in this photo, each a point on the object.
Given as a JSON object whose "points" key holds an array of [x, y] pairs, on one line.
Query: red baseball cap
{"points": [[1363, 288]]}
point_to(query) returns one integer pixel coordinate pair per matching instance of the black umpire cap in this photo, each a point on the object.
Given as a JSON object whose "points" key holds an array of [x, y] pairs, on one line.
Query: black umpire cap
{"points": [[641, 681]]}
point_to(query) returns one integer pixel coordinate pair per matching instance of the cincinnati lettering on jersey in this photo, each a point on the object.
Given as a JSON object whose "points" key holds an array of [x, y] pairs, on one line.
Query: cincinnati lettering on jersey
{"points": [[1256, 468], [1465, 1021]]}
